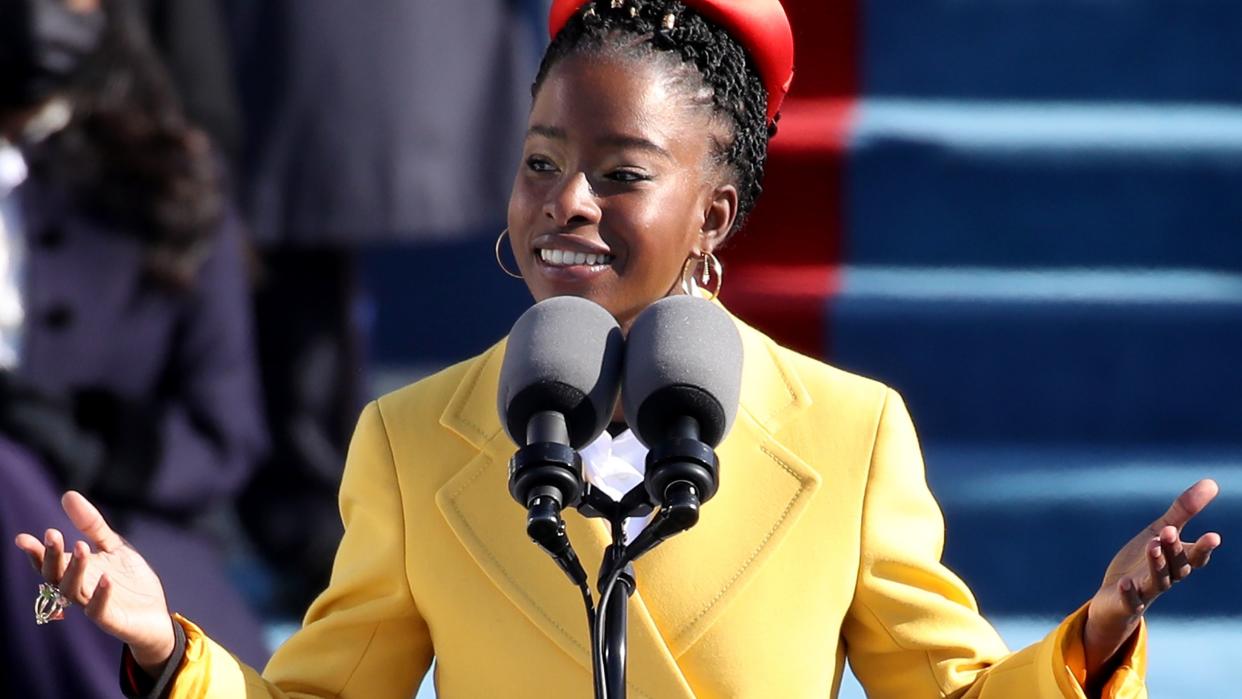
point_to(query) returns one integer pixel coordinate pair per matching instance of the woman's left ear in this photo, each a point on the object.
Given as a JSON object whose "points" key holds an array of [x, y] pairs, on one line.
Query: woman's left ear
{"points": [[719, 214]]}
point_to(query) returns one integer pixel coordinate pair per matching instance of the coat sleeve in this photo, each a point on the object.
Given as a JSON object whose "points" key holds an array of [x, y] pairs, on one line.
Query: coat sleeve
{"points": [[913, 629], [363, 637]]}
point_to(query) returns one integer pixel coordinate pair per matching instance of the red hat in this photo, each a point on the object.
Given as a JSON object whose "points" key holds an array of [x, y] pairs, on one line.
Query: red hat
{"points": [[760, 26]]}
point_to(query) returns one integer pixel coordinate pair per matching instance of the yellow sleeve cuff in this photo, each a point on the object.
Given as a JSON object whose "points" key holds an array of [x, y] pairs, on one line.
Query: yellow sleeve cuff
{"points": [[1070, 665], [207, 670]]}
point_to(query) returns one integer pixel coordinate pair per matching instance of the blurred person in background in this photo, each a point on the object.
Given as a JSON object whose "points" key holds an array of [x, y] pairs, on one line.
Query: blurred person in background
{"points": [[393, 122], [125, 333], [193, 43]]}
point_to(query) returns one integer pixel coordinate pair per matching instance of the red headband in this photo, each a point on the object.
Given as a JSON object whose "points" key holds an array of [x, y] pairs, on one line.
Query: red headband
{"points": [[760, 26]]}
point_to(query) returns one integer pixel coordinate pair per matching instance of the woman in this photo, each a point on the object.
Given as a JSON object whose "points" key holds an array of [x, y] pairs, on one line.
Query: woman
{"points": [[132, 378], [644, 152]]}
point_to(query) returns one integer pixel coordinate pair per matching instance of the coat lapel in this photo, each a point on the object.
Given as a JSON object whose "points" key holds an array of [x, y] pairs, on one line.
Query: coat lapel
{"points": [[691, 579], [685, 584]]}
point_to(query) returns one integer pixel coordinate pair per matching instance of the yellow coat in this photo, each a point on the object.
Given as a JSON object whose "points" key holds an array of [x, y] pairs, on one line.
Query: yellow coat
{"points": [[823, 543]]}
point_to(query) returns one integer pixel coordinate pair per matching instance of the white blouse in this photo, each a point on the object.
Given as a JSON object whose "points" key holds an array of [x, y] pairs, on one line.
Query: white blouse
{"points": [[615, 465]]}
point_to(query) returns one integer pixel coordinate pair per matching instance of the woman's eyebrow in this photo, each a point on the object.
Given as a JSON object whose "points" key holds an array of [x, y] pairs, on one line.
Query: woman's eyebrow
{"points": [[616, 140], [551, 132], [638, 142]]}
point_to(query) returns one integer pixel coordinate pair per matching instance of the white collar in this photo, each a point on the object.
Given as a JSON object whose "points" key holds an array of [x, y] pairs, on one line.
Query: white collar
{"points": [[52, 117], [614, 465], [13, 169]]}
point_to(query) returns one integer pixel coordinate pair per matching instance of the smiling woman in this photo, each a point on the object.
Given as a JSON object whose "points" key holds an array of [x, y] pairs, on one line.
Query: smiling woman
{"points": [[646, 146], [616, 168], [644, 153]]}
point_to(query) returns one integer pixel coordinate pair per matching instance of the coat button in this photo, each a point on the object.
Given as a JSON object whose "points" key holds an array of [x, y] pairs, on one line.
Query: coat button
{"points": [[51, 237], [58, 317]]}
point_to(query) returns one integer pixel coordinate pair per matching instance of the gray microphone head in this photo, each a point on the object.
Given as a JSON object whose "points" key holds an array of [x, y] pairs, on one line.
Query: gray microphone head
{"points": [[683, 358], [564, 355]]}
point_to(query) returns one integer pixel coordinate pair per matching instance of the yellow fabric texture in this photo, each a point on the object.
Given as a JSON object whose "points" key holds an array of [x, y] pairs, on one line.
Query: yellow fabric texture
{"points": [[822, 544]]}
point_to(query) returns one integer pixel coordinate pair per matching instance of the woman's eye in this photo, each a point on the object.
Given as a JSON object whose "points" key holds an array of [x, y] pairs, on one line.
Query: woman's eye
{"points": [[539, 165], [627, 176]]}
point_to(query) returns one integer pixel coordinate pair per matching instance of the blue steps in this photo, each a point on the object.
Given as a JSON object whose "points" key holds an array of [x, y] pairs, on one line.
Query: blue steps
{"points": [[941, 183], [1151, 50], [1146, 357], [1043, 252], [1032, 528], [1061, 410]]}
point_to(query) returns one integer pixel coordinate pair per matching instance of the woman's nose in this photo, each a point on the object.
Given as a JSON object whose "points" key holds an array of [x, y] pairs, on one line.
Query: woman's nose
{"points": [[572, 202]]}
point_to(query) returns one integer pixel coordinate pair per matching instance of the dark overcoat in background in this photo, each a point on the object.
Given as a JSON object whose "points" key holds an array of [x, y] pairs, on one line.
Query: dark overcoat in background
{"points": [[174, 373], [193, 42], [390, 120], [384, 122]]}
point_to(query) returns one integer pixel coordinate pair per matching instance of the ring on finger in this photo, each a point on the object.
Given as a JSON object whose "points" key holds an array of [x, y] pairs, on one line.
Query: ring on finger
{"points": [[50, 604]]}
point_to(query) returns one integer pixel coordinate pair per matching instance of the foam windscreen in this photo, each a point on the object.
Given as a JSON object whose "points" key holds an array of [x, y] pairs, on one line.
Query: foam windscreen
{"points": [[683, 359], [563, 355]]}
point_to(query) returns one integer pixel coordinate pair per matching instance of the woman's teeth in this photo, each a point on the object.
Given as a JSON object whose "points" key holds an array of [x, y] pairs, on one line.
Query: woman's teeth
{"points": [[566, 258]]}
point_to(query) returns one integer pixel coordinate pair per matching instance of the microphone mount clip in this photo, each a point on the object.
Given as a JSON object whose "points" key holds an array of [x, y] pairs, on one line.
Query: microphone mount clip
{"points": [[547, 477]]}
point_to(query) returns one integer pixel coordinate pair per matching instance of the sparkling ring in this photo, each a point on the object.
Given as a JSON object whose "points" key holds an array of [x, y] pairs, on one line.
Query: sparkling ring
{"points": [[50, 605]]}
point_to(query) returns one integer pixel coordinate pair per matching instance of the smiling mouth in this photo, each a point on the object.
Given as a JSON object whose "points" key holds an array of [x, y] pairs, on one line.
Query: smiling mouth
{"points": [[569, 258]]}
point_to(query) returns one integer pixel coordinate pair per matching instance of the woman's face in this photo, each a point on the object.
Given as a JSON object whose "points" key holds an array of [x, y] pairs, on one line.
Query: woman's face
{"points": [[616, 187]]}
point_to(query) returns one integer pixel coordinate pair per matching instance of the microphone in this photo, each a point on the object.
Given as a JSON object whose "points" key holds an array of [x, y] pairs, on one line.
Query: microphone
{"points": [[558, 386], [682, 380]]}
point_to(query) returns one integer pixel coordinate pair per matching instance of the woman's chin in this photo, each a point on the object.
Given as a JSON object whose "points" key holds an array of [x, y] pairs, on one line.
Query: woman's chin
{"points": [[593, 282]]}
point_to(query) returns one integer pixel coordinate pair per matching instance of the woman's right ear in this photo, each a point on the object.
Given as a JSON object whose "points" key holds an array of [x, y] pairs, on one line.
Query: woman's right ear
{"points": [[718, 218]]}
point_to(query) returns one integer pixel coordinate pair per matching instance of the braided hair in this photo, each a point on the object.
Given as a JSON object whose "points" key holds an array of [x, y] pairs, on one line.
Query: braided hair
{"points": [[711, 68]]}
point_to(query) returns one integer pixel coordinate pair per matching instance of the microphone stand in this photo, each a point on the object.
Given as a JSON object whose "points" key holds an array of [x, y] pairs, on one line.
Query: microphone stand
{"points": [[609, 638], [681, 475], [679, 512], [616, 617]]}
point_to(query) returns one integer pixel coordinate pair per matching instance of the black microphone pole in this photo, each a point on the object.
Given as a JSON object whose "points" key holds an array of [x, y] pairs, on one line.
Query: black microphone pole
{"points": [[609, 633], [681, 472], [615, 612]]}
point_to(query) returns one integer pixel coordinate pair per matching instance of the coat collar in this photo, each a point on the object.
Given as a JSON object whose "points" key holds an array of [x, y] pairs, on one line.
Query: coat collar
{"points": [[685, 584]]}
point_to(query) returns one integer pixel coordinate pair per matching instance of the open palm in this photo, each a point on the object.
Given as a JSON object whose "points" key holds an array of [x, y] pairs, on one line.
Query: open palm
{"points": [[108, 578], [1146, 567]]}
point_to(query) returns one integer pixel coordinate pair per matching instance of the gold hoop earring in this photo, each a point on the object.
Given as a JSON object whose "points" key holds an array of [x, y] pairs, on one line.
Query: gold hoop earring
{"points": [[501, 262], [698, 272]]}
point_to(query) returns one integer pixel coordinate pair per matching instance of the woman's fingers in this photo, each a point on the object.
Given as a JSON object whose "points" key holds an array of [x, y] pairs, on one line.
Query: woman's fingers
{"points": [[77, 585], [54, 560], [87, 519], [98, 602], [33, 549], [1157, 569], [1201, 551], [1169, 561], [1190, 503], [1174, 553]]}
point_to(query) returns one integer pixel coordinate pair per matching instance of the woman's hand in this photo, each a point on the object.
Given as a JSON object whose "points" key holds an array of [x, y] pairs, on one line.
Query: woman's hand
{"points": [[113, 584], [1146, 567]]}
